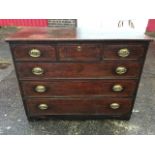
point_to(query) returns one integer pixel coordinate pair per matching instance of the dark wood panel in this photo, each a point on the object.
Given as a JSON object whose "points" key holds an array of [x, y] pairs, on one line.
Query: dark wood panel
{"points": [[79, 106], [137, 51], [79, 88], [21, 52], [79, 70], [79, 52]]}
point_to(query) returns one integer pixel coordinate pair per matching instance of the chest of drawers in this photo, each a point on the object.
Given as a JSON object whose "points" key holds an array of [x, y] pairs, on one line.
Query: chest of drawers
{"points": [[71, 73]]}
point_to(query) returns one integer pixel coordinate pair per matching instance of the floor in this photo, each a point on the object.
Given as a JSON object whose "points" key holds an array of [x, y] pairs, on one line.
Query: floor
{"points": [[13, 120]]}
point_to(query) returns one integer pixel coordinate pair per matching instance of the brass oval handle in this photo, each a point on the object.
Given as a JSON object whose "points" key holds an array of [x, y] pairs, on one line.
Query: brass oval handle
{"points": [[124, 52], [40, 89], [114, 105], [121, 70], [79, 48], [43, 106], [117, 88], [37, 71], [35, 53]]}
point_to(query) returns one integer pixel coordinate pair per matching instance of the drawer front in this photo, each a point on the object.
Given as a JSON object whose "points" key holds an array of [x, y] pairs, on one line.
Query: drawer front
{"points": [[79, 88], [79, 52], [34, 52], [81, 106], [123, 51], [79, 70]]}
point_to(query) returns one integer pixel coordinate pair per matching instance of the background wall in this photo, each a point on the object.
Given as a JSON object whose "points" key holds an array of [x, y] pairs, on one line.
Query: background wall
{"points": [[140, 24]]}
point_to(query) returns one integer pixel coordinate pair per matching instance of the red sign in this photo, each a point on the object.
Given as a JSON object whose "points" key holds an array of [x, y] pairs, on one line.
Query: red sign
{"points": [[24, 22], [151, 25]]}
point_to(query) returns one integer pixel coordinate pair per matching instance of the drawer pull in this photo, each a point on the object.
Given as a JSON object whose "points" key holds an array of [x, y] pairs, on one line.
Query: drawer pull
{"points": [[117, 88], [114, 105], [43, 106], [40, 89], [79, 48], [121, 70], [35, 53], [37, 71], [124, 52]]}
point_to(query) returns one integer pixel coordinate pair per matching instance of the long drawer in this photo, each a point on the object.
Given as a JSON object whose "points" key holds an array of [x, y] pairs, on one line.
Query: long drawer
{"points": [[122, 88], [79, 106], [113, 69]]}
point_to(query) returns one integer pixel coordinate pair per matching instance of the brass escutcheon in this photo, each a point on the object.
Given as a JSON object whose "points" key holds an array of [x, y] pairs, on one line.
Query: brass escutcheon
{"points": [[124, 52], [43, 106], [114, 105], [37, 71], [121, 70], [40, 89], [35, 53], [79, 48], [117, 88]]}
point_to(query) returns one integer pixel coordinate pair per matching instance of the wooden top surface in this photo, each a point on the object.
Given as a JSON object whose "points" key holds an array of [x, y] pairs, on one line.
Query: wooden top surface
{"points": [[71, 34]]}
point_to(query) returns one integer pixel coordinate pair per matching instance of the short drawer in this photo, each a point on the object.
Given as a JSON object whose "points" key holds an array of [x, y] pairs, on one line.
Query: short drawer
{"points": [[79, 106], [79, 52], [79, 88], [111, 69], [34, 52], [124, 51]]}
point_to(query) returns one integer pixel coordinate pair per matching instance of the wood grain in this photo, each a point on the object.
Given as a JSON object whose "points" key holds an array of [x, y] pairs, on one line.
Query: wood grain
{"points": [[105, 69], [137, 51], [71, 34], [21, 52], [79, 106], [88, 52], [79, 88]]}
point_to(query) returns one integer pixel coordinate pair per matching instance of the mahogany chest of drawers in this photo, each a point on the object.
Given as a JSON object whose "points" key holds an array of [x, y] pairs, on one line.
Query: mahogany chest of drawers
{"points": [[71, 73]]}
